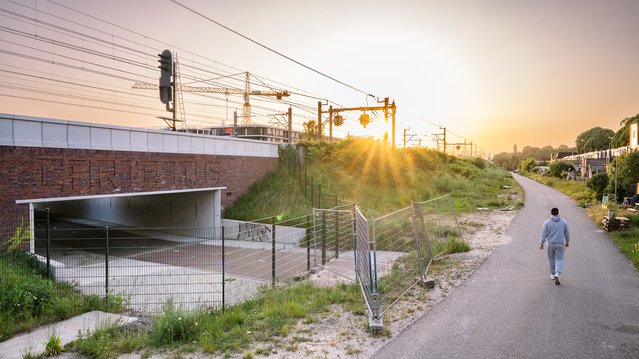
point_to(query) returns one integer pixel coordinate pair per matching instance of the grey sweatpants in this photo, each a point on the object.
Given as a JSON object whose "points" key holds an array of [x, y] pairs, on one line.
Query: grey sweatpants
{"points": [[555, 258]]}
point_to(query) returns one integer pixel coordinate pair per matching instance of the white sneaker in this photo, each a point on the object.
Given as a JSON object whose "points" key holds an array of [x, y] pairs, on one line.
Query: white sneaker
{"points": [[557, 280], [552, 277]]}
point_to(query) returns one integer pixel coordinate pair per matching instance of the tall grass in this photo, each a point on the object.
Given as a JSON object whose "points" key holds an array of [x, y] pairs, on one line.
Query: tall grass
{"points": [[266, 319], [28, 299]]}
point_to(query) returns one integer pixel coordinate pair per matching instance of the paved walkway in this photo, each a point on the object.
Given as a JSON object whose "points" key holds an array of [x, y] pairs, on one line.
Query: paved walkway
{"points": [[511, 309], [34, 342]]}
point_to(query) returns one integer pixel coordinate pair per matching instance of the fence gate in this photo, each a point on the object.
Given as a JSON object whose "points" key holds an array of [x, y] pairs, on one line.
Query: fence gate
{"points": [[333, 235]]}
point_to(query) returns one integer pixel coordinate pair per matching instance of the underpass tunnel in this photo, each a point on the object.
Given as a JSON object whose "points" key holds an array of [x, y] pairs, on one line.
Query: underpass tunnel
{"points": [[169, 210]]}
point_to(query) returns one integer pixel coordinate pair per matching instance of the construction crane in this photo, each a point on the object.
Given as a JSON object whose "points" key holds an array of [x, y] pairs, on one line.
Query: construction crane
{"points": [[246, 109]]}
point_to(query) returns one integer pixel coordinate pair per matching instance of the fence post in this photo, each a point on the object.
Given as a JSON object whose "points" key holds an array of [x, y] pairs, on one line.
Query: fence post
{"points": [[223, 259], [106, 264], [323, 238], [48, 245], [308, 243], [273, 252], [319, 196], [336, 234]]}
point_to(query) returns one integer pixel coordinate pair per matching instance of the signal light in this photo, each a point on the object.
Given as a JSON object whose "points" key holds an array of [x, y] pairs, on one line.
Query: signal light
{"points": [[364, 119], [338, 120], [166, 71]]}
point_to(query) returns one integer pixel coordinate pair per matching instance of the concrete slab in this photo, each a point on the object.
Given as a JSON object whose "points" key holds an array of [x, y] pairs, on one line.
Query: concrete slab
{"points": [[34, 342]]}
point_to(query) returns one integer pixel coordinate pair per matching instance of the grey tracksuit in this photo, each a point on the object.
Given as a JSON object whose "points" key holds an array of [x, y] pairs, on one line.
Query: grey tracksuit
{"points": [[555, 230]]}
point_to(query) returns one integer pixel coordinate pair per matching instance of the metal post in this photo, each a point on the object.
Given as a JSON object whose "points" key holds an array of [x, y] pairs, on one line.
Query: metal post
{"points": [[308, 243], [319, 196], [106, 264], [223, 264], [319, 120], [323, 238], [336, 233], [330, 124], [394, 110], [290, 125], [273, 252], [48, 245]]}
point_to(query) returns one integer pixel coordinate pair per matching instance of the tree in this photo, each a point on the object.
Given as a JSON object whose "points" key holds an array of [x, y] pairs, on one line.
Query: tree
{"points": [[594, 139], [310, 130], [622, 137]]}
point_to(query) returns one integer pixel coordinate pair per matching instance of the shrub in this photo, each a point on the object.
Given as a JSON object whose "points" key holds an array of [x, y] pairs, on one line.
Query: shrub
{"points": [[598, 183], [559, 168]]}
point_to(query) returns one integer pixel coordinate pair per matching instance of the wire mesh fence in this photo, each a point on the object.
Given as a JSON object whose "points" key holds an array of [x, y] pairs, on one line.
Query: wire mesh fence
{"points": [[400, 251]]}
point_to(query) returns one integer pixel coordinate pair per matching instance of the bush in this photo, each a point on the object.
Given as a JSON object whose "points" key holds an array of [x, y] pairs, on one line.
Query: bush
{"points": [[559, 168], [598, 183]]}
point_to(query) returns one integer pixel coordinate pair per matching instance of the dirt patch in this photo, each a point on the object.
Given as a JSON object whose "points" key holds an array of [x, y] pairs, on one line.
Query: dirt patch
{"points": [[341, 334]]}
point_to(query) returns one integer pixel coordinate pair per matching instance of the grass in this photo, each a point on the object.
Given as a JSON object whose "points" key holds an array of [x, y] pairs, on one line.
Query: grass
{"points": [[28, 299], [267, 319]]}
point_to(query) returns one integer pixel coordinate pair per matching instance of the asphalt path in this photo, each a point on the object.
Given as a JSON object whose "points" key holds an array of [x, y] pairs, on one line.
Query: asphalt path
{"points": [[511, 309]]}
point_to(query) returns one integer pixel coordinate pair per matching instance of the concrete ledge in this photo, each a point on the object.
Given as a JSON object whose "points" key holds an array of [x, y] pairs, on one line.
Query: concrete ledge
{"points": [[34, 342]]}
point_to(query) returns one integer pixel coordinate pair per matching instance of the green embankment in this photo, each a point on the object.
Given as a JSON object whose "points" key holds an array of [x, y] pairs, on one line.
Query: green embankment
{"points": [[378, 179]]}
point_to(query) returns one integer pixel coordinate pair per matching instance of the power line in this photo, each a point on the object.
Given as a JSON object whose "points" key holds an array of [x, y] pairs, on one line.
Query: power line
{"points": [[272, 50]]}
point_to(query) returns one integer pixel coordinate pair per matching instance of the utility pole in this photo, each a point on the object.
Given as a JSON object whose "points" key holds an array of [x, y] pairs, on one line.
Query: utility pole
{"points": [[319, 120], [330, 123], [290, 125], [408, 136], [441, 139], [393, 112]]}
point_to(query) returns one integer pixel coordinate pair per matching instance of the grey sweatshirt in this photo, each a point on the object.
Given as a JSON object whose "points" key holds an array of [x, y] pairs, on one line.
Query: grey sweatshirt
{"points": [[555, 230]]}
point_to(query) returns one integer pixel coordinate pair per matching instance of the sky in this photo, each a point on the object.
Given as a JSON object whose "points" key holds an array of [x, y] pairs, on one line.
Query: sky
{"points": [[493, 73]]}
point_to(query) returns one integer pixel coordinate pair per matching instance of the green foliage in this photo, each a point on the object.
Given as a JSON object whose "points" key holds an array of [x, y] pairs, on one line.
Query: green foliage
{"points": [[594, 139], [277, 194], [578, 191], [622, 136], [528, 165], [559, 168], [598, 183], [28, 299], [53, 346], [174, 326]]}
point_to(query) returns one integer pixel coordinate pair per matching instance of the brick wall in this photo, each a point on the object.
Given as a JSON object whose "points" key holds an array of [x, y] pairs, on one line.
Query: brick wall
{"points": [[37, 172]]}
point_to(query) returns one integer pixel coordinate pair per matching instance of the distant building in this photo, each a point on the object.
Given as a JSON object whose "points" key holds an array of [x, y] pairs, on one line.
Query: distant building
{"points": [[634, 136], [253, 132]]}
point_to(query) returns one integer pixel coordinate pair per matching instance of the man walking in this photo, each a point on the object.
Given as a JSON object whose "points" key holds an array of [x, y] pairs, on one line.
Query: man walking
{"points": [[555, 230]]}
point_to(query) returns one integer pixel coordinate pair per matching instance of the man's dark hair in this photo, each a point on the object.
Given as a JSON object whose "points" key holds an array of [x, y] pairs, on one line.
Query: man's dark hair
{"points": [[554, 211]]}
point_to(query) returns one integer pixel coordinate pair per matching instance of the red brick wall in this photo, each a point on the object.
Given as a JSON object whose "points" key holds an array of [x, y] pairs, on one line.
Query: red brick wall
{"points": [[33, 172]]}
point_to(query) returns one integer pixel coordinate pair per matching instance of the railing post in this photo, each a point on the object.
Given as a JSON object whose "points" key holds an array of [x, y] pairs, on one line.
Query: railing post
{"points": [[336, 234], [273, 252], [223, 263], [308, 243], [323, 238], [48, 245], [106, 264]]}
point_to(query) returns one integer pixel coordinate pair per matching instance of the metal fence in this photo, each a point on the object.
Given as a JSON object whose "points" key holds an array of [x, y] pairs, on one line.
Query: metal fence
{"points": [[193, 268], [400, 252]]}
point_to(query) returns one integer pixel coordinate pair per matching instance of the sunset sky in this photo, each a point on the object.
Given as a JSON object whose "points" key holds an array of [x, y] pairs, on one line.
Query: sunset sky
{"points": [[495, 73]]}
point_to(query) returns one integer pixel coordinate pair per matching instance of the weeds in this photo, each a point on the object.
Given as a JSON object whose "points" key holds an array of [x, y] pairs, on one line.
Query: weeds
{"points": [[53, 346]]}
